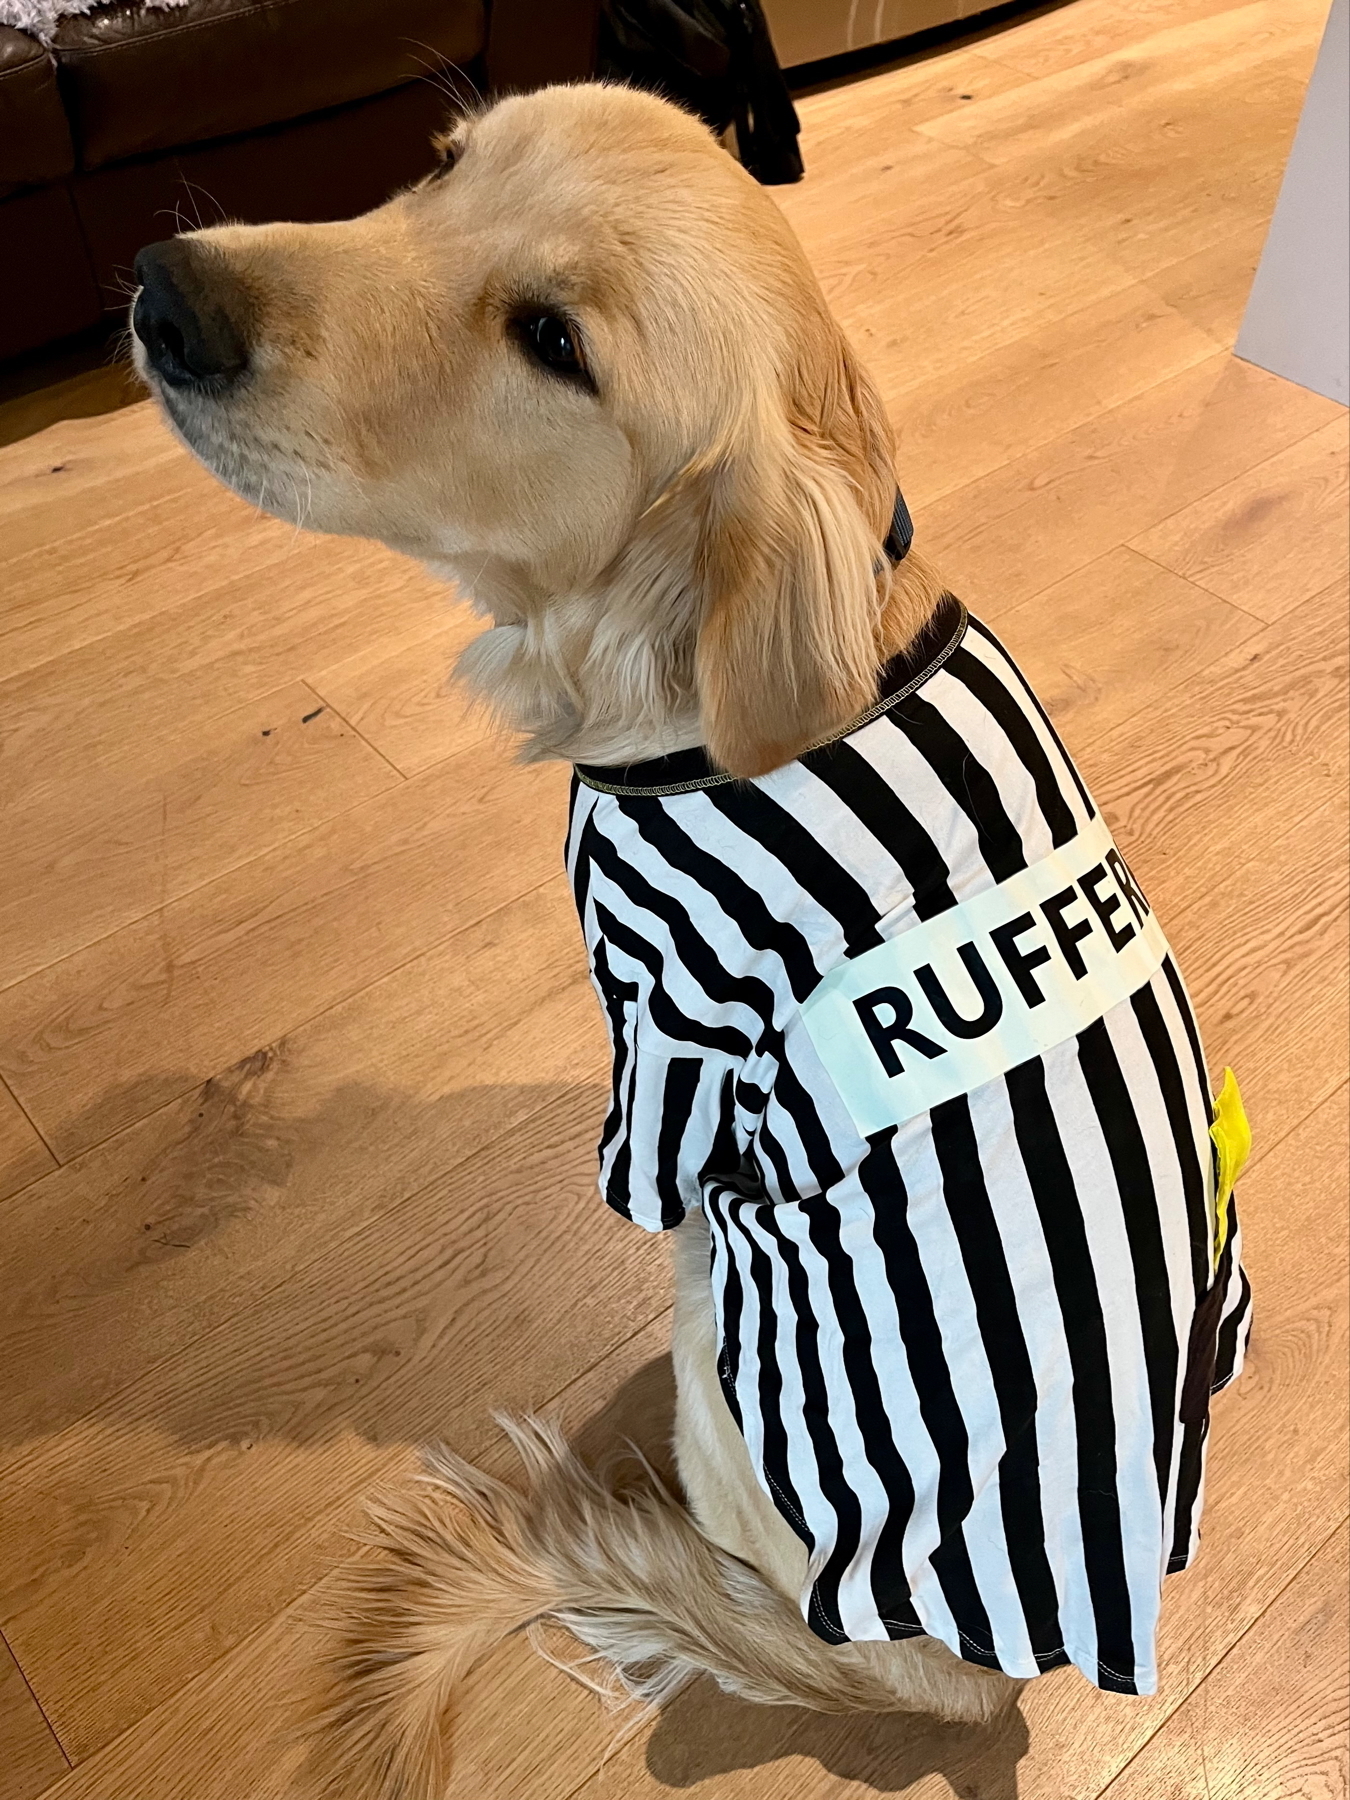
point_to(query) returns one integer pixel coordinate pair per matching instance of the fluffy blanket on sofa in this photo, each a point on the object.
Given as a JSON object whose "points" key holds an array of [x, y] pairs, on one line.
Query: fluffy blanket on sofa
{"points": [[40, 18]]}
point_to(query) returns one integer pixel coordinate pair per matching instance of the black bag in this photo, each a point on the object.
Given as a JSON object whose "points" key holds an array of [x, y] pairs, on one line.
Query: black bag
{"points": [[716, 59]]}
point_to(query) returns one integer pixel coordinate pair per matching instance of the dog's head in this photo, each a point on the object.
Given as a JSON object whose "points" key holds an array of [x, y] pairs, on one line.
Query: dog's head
{"points": [[584, 369]]}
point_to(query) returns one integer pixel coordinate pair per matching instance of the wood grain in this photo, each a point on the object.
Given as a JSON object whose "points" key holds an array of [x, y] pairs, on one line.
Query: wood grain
{"points": [[1058, 37], [1019, 396], [407, 704], [77, 473], [93, 1042], [23, 1155], [322, 600], [1044, 515], [1109, 641], [230, 1731], [31, 1756], [217, 1488], [1266, 539], [1176, 72], [125, 843], [1269, 1723], [125, 1256]]}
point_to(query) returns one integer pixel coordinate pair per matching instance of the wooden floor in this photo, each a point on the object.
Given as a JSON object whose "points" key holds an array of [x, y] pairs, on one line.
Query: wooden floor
{"points": [[302, 1072]]}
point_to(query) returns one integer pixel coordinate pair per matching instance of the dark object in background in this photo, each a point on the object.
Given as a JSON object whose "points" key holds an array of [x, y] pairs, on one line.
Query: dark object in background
{"points": [[716, 58], [133, 123]]}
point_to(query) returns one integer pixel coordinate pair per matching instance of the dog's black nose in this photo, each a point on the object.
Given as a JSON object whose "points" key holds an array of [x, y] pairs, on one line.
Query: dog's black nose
{"points": [[185, 317]]}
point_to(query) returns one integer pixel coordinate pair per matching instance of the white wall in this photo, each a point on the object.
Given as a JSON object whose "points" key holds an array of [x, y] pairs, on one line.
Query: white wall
{"points": [[1298, 317]]}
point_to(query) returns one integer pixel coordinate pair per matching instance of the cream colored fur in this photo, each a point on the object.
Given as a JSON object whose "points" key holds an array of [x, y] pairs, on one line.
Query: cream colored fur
{"points": [[684, 549]]}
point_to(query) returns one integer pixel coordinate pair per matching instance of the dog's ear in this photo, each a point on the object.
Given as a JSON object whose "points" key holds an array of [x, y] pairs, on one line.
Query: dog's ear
{"points": [[795, 510]]}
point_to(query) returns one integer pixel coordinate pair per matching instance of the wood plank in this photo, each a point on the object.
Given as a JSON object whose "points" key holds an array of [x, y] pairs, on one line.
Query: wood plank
{"points": [[230, 1731], [1044, 515], [1210, 288], [125, 1025], [32, 1756], [1249, 943], [911, 89], [324, 600], [120, 845], [1005, 404], [1058, 37], [1274, 536], [23, 1155], [407, 704], [216, 1460], [1175, 71], [76, 588], [83, 472], [127, 1255], [1270, 1720], [1262, 722], [940, 274], [1108, 642]]}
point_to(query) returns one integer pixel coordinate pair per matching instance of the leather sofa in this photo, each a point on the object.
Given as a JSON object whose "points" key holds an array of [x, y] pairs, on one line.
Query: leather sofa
{"points": [[135, 122]]}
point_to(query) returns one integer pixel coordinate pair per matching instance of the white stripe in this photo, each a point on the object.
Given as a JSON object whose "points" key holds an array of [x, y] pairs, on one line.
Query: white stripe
{"points": [[989, 745], [839, 832], [899, 1396], [1094, 1183], [929, 1218], [1033, 1279], [1000, 665], [912, 776]]}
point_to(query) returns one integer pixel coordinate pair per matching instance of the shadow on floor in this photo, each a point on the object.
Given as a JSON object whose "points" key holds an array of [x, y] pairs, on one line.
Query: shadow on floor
{"points": [[260, 1261]]}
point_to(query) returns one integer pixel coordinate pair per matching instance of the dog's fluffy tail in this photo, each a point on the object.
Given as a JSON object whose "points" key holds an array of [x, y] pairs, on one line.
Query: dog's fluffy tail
{"points": [[465, 1560]]}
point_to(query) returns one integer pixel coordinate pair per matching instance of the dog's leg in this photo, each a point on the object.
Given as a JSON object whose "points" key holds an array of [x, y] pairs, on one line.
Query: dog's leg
{"points": [[733, 1510]]}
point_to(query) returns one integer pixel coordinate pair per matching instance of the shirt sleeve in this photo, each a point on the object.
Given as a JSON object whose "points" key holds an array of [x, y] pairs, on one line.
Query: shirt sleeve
{"points": [[671, 1116]]}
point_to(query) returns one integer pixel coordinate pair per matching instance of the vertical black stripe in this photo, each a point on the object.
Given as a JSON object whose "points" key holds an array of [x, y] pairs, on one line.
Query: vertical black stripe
{"points": [[972, 1216], [616, 993], [967, 781], [1139, 1209], [677, 1107], [1052, 1187], [1046, 720], [728, 892], [733, 1304], [1003, 708], [1171, 1084], [1226, 1360], [874, 802], [769, 1376], [890, 1589], [1193, 1035], [833, 889], [829, 1461], [922, 1338], [1190, 1472]]}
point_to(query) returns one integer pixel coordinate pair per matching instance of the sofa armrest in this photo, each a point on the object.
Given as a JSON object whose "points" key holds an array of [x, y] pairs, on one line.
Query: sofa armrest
{"points": [[534, 42]]}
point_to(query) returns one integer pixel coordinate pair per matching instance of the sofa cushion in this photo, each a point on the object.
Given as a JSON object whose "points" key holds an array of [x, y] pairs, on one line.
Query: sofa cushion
{"points": [[330, 165], [136, 81], [34, 137], [49, 290]]}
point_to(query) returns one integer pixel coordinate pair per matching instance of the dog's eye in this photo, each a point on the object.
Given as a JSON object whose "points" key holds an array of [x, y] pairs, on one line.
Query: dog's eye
{"points": [[552, 342]]}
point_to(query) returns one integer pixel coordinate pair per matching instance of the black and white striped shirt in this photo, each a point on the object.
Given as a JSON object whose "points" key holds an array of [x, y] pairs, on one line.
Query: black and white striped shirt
{"points": [[899, 1020]]}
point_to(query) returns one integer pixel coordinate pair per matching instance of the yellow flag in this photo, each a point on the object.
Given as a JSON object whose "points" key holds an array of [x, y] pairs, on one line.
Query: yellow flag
{"points": [[1232, 1137]]}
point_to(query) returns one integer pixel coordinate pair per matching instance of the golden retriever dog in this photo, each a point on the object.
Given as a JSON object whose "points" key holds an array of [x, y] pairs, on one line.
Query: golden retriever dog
{"points": [[585, 373]]}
